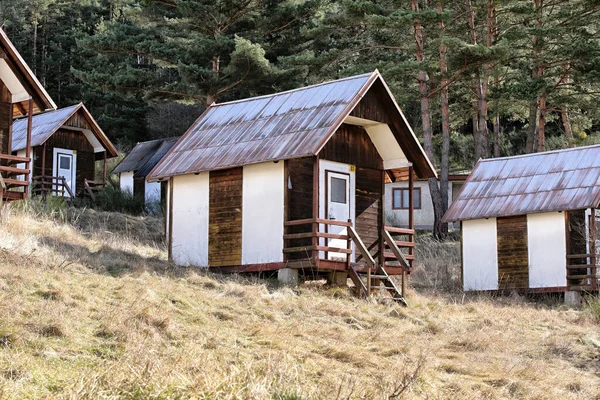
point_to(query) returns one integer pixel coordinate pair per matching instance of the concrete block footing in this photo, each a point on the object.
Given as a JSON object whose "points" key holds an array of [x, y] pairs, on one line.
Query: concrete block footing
{"points": [[288, 276]]}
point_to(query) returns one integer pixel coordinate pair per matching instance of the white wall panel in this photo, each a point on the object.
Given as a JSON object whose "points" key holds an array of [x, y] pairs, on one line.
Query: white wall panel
{"points": [[480, 254], [190, 219], [126, 181], [547, 250], [262, 213]]}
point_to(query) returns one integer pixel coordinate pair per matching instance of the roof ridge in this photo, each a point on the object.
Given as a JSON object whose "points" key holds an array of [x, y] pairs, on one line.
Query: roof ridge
{"points": [[576, 148], [293, 90]]}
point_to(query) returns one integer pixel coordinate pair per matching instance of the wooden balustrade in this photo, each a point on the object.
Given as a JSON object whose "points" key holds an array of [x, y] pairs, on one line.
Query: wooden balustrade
{"points": [[583, 275]]}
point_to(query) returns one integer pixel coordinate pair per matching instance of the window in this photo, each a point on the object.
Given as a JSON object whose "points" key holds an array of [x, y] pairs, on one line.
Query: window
{"points": [[65, 162], [400, 198], [338, 190]]}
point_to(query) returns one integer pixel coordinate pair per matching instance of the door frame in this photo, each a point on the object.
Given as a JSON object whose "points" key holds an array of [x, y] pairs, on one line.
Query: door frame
{"points": [[341, 168], [73, 153]]}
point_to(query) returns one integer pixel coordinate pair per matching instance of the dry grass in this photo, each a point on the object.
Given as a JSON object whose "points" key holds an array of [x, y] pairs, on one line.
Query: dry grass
{"points": [[97, 312]]}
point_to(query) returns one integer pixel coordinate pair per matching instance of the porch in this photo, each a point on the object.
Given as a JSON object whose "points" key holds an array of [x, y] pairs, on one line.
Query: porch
{"points": [[583, 272]]}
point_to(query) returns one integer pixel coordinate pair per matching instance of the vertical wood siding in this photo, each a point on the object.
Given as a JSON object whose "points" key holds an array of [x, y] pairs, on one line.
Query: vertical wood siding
{"points": [[299, 199], [352, 145], [225, 218], [368, 207], [70, 140], [513, 257], [6, 119]]}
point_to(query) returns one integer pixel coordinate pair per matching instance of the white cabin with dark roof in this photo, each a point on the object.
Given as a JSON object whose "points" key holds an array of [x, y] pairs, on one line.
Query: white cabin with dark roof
{"points": [[294, 182], [529, 223]]}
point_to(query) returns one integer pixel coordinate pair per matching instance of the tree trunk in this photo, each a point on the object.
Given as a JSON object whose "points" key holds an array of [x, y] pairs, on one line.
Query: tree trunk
{"points": [[434, 189], [216, 67], [35, 35], [564, 113], [445, 121], [541, 129], [531, 137]]}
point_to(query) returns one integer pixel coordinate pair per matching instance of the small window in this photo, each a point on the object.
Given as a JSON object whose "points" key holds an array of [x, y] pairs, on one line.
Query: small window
{"points": [[65, 163], [338, 190], [400, 198]]}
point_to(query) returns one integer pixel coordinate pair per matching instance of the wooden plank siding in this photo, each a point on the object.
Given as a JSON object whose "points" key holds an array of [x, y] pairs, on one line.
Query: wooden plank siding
{"points": [[70, 140], [352, 145], [6, 119], [513, 257], [299, 199], [225, 218]]}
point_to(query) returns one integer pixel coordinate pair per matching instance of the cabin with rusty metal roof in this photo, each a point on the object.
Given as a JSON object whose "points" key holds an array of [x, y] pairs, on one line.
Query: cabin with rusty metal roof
{"points": [[294, 182], [529, 222], [137, 164], [65, 144], [21, 96]]}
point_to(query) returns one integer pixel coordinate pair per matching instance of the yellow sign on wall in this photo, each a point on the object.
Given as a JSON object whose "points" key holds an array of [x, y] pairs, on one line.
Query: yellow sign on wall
{"points": [[352, 168]]}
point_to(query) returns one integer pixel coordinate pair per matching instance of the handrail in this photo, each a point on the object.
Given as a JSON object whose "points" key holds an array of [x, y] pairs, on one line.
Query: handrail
{"points": [[392, 245], [361, 247], [403, 231], [15, 158], [576, 256]]}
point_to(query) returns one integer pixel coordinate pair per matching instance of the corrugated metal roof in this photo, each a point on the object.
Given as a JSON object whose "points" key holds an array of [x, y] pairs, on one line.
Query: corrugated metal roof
{"points": [[285, 125], [46, 124], [42, 127], [542, 182], [144, 156]]}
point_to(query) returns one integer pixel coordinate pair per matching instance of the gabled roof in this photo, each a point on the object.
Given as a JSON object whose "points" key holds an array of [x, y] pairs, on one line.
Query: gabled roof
{"points": [[43, 126], [145, 156], [292, 124], [542, 182], [11, 59]]}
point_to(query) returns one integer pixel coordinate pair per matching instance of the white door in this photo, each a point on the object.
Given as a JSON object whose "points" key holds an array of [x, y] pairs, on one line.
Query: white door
{"points": [[337, 206], [64, 166]]}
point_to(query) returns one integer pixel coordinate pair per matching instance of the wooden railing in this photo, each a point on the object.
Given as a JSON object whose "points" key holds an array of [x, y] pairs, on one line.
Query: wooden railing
{"points": [[402, 239], [91, 187], [11, 175], [584, 275], [313, 233], [56, 185]]}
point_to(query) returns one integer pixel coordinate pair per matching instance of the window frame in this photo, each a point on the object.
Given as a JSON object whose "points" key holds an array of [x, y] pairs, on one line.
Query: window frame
{"points": [[403, 190]]}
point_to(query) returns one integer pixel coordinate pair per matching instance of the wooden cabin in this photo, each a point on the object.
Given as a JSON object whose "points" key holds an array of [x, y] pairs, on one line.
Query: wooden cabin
{"points": [[528, 223], [294, 182], [136, 165], [65, 145], [21, 96], [397, 207]]}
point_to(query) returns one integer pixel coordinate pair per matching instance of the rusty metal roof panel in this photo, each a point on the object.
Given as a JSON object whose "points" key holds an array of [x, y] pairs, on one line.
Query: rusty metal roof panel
{"points": [[42, 127], [543, 182], [144, 156]]}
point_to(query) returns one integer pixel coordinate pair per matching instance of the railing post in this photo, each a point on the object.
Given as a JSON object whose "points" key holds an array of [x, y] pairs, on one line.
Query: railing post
{"points": [[104, 167], [348, 246], [593, 250], [411, 214], [315, 211], [29, 164]]}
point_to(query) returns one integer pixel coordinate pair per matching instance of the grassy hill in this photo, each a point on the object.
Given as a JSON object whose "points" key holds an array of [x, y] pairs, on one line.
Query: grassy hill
{"points": [[90, 308]]}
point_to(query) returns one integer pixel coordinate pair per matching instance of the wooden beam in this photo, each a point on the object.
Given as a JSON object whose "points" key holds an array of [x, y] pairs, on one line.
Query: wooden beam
{"points": [[170, 236], [315, 208], [104, 168], [361, 246], [29, 164], [390, 175]]}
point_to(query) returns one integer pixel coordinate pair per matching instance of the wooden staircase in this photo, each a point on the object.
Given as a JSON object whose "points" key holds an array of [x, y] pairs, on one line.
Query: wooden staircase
{"points": [[369, 276]]}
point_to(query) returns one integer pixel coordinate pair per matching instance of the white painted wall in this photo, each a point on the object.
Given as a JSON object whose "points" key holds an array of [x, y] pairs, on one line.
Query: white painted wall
{"points": [[152, 192], [480, 254], [423, 217], [126, 181], [547, 249], [190, 220], [262, 213]]}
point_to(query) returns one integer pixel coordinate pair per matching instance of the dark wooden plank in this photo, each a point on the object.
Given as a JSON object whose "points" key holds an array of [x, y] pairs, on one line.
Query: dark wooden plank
{"points": [[352, 145], [513, 257], [225, 218]]}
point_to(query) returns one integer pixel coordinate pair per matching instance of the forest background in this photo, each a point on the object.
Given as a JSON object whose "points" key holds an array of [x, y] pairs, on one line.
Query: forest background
{"points": [[475, 78]]}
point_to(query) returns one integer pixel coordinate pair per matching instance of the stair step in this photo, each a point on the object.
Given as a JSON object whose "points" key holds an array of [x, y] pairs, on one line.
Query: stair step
{"points": [[373, 276], [15, 182], [382, 287]]}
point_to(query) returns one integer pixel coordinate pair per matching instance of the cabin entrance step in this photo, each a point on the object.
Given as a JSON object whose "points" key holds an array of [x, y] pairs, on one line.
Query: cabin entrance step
{"points": [[365, 283]]}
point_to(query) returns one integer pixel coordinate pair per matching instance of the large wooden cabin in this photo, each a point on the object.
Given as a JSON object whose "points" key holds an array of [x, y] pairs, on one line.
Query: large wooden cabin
{"points": [[21, 96], [65, 145], [528, 223], [294, 182]]}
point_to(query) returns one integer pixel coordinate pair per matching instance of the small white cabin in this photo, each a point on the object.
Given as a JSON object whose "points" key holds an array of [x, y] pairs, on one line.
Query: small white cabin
{"points": [[528, 223], [136, 165], [293, 182]]}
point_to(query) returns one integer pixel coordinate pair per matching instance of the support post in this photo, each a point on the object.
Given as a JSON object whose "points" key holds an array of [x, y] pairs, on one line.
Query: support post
{"points": [[44, 170], [593, 233], [382, 220], [104, 169], [28, 147], [411, 222], [170, 233], [315, 206]]}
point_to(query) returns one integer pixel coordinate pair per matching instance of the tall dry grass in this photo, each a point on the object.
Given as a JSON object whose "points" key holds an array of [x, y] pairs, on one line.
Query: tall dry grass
{"points": [[90, 309]]}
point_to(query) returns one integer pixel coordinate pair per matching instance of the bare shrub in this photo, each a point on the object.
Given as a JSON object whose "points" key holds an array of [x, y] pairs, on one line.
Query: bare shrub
{"points": [[437, 265]]}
